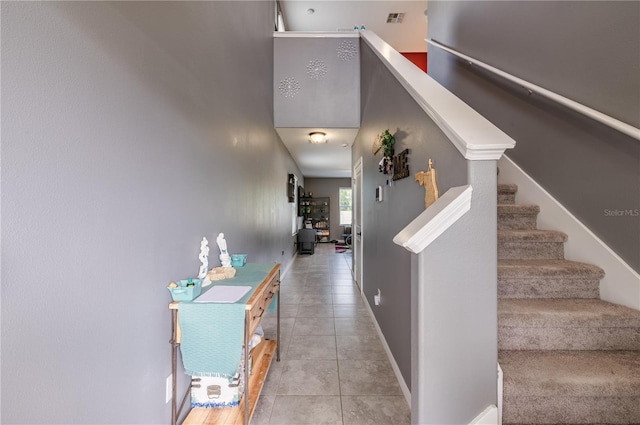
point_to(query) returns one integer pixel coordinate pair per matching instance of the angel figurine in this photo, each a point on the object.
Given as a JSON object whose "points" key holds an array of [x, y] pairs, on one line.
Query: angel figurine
{"points": [[225, 258], [204, 258]]}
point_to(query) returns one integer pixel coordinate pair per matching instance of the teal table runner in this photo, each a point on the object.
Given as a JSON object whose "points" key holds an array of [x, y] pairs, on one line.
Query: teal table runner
{"points": [[212, 333]]}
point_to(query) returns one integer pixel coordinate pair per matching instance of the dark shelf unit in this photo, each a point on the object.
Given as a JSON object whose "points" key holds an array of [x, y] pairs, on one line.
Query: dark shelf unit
{"points": [[317, 210]]}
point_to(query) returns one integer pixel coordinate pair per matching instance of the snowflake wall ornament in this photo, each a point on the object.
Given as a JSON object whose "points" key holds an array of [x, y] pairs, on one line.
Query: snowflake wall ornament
{"points": [[316, 69], [289, 87], [346, 50]]}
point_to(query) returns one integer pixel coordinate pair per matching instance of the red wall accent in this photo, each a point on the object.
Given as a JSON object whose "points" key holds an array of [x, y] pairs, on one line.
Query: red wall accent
{"points": [[419, 59]]}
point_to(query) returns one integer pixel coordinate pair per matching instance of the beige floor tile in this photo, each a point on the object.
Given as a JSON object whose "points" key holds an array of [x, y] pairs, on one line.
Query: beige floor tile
{"points": [[350, 310], [361, 325], [375, 410], [306, 410], [318, 310], [304, 347], [309, 377], [360, 347], [314, 326], [367, 377]]}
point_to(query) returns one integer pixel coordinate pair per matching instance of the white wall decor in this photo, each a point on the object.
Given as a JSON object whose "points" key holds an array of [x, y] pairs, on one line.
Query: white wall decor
{"points": [[316, 84], [289, 87], [316, 69], [346, 50]]}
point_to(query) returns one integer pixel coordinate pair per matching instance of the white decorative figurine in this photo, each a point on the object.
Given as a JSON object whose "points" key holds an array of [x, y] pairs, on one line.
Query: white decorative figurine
{"points": [[225, 258], [204, 258]]}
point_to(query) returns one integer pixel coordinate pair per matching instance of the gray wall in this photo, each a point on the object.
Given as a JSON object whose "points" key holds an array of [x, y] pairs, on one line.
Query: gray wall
{"points": [[129, 132], [387, 105], [329, 187], [587, 51], [325, 95]]}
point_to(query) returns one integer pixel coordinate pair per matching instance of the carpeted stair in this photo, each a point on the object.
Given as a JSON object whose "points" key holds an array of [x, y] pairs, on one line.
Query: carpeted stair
{"points": [[567, 356]]}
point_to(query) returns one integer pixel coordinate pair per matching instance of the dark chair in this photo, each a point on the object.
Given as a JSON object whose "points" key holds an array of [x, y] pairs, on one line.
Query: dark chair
{"points": [[306, 241], [347, 235]]}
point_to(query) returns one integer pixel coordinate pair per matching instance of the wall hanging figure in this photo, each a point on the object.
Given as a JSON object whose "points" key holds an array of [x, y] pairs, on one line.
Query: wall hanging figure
{"points": [[428, 180]]}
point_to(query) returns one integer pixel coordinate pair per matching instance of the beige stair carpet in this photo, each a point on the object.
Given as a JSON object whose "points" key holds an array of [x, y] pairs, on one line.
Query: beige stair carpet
{"points": [[567, 356]]}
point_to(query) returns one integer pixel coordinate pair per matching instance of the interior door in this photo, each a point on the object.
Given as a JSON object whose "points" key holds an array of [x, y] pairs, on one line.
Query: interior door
{"points": [[357, 224]]}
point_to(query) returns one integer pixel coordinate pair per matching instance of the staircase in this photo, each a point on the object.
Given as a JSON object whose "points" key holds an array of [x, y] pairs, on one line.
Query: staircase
{"points": [[567, 356]]}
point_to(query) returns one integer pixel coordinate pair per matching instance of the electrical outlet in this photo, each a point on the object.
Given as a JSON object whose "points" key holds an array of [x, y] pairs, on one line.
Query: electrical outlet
{"points": [[376, 298], [169, 389]]}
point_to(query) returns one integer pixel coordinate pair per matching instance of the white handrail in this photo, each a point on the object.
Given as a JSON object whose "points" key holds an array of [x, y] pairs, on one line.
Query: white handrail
{"points": [[618, 125], [473, 135]]}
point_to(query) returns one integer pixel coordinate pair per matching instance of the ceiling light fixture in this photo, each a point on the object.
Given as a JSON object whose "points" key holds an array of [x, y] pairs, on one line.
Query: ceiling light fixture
{"points": [[317, 137]]}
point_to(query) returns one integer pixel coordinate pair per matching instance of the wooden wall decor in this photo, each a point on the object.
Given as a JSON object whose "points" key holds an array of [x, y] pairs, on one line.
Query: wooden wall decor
{"points": [[401, 165], [428, 180]]}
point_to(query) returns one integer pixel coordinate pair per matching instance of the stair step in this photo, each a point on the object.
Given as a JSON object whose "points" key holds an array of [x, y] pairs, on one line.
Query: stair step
{"points": [[548, 279], [517, 217], [507, 193], [571, 387], [567, 324], [531, 244]]}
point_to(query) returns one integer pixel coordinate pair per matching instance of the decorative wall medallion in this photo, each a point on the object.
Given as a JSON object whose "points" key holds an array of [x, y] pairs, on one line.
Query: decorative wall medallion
{"points": [[289, 87], [316, 69], [346, 50]]}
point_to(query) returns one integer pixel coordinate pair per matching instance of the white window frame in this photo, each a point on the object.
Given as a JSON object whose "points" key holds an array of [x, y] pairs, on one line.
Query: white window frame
{"points": [[340, 206]]}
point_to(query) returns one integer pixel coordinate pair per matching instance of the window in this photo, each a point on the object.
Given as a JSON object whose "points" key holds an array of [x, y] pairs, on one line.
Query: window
{"points": [[345, 206]]}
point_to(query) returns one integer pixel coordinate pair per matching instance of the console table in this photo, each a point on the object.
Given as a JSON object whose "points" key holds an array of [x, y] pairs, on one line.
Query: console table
{"points": [[265, 280]]}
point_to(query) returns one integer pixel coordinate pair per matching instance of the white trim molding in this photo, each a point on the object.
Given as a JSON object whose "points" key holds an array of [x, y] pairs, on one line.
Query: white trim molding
{"points": [[471, 133], [621, 284], [316, 34], [435, 220], [488, 417]]}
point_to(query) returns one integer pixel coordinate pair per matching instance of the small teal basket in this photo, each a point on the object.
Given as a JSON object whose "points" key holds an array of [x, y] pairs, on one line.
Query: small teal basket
{"points": [[238, 260], [186, 293]]}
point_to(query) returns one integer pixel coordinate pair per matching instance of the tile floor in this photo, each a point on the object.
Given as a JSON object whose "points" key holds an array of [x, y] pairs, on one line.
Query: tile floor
{"points": [[333, 367]]}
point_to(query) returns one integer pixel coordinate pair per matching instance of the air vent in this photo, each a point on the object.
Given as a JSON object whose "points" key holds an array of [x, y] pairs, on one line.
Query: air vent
{"points": [[395, 18]]}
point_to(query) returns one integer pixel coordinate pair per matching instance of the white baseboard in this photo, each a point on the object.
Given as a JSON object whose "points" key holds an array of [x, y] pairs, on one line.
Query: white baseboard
{"points": [[489, 416], [621, 284], [500, 393], [284, 272], [392, 360]]}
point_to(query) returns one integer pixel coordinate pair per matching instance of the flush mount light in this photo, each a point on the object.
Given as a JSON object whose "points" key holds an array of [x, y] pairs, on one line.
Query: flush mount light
{"points": [[317, 137]]}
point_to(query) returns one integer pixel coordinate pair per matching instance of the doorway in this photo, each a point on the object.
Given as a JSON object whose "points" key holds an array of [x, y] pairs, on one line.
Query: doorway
{"points": [[357, 224]]}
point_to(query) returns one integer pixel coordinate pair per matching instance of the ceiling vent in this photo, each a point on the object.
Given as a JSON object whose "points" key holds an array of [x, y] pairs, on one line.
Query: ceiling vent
{"points": [[395, 18]]}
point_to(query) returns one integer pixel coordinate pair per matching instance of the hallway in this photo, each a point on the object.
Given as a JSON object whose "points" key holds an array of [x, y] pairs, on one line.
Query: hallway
{"points": [[333, 367]]}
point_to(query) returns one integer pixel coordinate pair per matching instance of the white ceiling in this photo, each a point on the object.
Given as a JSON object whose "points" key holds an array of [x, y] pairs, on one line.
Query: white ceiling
{"points": [[345, 14], [332, 159]]}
